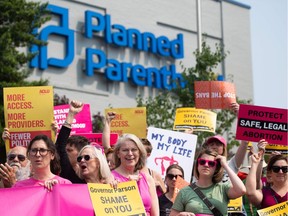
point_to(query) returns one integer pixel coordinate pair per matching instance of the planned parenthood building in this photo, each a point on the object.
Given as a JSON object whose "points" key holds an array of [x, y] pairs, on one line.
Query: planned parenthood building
{"points": [[105, 53]]}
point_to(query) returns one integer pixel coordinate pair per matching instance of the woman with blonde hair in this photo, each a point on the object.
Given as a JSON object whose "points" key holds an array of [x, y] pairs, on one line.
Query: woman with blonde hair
{"points": [[93, 165], [130, 158]]}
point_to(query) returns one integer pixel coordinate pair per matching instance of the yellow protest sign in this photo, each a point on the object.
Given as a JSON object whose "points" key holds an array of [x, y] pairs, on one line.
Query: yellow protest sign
{"points": [[235, 205], [129, 120], [275, 210], [28, 111], [123, 201], [274, 147], [198, 119]]}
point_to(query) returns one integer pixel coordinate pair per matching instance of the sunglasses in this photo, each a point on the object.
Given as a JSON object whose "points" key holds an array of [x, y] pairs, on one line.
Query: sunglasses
{"points": [[171, 176], [19, 156], [86, 158], [277, 169], [210, 163]]}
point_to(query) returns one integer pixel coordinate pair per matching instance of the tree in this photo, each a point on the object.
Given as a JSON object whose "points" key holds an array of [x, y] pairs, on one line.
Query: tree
{"points": [[18, 19], [161, 109]]}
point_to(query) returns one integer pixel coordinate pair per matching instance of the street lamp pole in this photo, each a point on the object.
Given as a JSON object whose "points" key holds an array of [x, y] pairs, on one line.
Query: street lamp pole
{"points": [[199, 30]]}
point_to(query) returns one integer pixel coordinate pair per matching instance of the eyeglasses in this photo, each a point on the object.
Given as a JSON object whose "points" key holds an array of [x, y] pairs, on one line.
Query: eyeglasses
{"points": [[277, 169], [86, 158], [171, 176], [210, 163], [127, 151], [19, 156], [42, 151]]}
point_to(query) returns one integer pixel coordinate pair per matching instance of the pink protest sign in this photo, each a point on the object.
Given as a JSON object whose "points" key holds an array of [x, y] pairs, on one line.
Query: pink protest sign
{"points": [[97, 137], [72, 199], [256, 123], [82, 122]]}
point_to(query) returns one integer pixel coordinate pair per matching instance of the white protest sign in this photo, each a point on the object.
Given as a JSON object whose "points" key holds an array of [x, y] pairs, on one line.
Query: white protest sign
{"points": [[171, 147]]}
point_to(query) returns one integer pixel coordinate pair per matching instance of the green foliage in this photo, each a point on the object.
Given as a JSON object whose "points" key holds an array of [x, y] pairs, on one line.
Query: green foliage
{"points": [[18, 18], [161, 109], [60, 100]]}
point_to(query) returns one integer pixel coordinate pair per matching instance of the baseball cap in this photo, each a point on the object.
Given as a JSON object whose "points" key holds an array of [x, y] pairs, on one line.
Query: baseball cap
{"points": [[216, 138]]}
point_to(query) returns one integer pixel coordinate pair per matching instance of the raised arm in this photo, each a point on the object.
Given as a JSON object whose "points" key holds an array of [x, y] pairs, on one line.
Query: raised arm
{"points": [[238, 188], [261, 147], [106, 130], [61, 141], [241, 153], [254, 195]]}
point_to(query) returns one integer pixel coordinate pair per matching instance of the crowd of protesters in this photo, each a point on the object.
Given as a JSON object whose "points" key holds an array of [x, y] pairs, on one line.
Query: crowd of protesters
{"points": [[216, 178]]}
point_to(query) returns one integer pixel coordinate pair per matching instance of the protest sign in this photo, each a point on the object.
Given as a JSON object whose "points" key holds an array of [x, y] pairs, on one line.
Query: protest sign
{"points": [[97, 137], [82, 122], [283, 149], [63, 200], [198, 119], [235, 205], [179, 184], [123, 201], [214, 94], [28, 112], [129, 120], [275, 210], [256, 123], [171, 147]]}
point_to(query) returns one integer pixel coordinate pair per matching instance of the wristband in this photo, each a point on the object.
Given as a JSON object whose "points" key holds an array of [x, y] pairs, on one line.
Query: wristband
{"points": [[66, 123]]}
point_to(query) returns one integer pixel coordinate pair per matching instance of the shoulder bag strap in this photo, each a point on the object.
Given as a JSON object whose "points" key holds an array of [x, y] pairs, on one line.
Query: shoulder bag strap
{"points": [[273, 194], [212, 208]]}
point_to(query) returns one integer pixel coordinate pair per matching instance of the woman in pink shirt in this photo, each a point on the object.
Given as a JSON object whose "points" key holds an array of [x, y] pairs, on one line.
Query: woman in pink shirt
{"points": [[45, 164], [130, 158]]}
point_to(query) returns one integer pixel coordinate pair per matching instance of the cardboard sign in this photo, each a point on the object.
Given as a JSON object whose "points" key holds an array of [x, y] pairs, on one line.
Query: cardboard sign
{"points": [[171, 147], [275, 210], [82, 122], [97, 137], [179, 184], [28, 112], [274, 147], [129, 120], [123, 201], [235, 205], [256, 123], [214, 94], [198, 119]]}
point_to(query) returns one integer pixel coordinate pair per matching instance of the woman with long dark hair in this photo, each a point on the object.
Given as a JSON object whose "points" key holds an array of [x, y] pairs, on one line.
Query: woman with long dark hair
{"points": [[278, 191], [165, 200], [45, 165]]}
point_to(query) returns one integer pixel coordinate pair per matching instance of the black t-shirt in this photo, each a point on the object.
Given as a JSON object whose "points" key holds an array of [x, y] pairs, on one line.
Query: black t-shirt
{"points": [[165, 205]]}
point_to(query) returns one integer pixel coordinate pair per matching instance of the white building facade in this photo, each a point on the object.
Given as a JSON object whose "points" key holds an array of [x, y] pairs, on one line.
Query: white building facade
{"points": [[106, 53]]}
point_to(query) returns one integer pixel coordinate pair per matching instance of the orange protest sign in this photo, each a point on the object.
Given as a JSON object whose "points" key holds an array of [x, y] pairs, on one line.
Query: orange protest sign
{"points": [[179, 184], [214, 94]]}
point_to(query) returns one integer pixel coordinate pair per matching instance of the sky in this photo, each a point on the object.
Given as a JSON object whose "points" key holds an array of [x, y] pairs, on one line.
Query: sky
{"points": [[269, 51]]}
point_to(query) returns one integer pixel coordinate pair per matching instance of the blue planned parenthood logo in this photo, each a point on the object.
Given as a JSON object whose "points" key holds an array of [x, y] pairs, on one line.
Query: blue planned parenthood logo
{"points": [[165, 77]]}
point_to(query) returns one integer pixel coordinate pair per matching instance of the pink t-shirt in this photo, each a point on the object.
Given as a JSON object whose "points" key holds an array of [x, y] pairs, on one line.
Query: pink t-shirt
{"points": [[142, 186], [34, 182]]}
